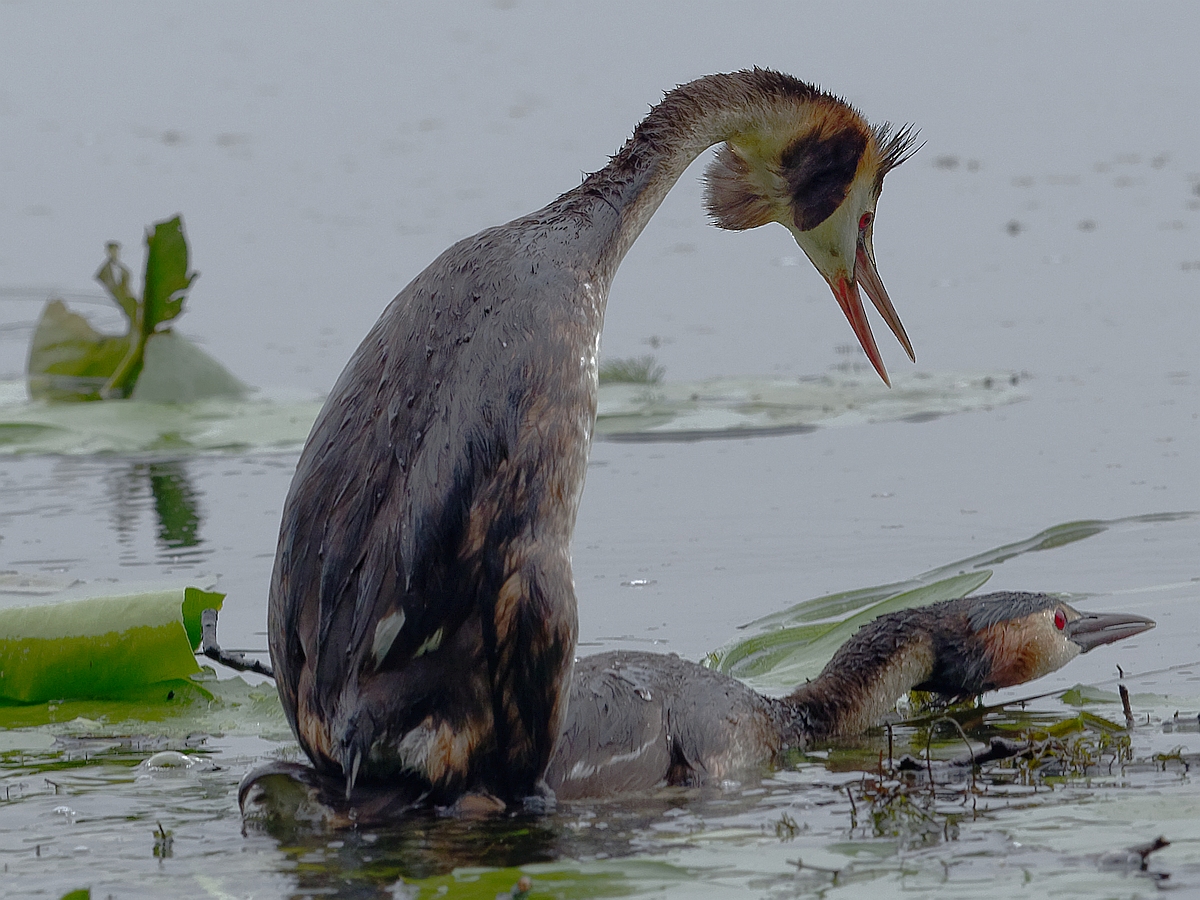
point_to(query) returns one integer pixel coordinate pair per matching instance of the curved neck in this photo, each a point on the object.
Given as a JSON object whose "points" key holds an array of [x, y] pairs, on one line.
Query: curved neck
{"points": [[884, 660], [619, 199]]}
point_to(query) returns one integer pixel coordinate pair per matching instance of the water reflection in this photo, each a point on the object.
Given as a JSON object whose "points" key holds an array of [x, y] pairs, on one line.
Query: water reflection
{"points": [[487, 856], [368, 864], [167, 485], [175, 501]]}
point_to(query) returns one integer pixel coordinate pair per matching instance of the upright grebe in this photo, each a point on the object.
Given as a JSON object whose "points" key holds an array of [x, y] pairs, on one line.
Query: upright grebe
{"points": [[422, 617], [637, 721]]}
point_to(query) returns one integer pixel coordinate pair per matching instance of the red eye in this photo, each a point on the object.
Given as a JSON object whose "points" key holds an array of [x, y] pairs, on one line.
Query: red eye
{"points": [[1060, 619], [865, 220]]}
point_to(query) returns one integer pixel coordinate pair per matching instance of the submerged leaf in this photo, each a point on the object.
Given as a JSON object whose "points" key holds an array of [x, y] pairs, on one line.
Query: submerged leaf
{"points": [[218, 423], [1083, 694], [1084, 721], [20, 434]]}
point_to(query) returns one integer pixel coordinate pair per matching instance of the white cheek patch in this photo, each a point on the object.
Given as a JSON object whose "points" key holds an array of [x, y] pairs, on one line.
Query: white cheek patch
{"points": [[385, 635], [1054, 648], [1054, 657]]}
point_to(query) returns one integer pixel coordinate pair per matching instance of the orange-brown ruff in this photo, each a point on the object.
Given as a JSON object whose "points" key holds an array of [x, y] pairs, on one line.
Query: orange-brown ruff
{"points": [[422, 617]]}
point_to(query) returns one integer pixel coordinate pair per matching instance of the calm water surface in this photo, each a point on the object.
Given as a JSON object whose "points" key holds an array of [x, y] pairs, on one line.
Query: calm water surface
{"points": [[1049, 229]]}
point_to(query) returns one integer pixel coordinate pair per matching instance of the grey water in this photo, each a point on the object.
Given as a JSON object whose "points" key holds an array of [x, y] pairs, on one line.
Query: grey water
{"points": [[321, 156]]}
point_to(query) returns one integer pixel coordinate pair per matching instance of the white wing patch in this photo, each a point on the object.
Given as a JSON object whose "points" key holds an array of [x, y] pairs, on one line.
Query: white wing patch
{"points": [[432, 643], [385, 634], [583, 769]]}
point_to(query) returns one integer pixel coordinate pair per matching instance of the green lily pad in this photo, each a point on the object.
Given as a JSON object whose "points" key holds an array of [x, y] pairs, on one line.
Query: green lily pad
{"points": [[70, 360], [101, 647]]}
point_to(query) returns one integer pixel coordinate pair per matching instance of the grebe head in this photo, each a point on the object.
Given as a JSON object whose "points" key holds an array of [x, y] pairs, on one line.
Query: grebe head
{"points": [[819, 175], [1035, 634]]}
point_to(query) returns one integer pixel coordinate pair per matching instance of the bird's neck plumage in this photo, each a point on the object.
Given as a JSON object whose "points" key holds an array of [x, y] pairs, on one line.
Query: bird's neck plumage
{"points": [[617, 201], [861, 684]]}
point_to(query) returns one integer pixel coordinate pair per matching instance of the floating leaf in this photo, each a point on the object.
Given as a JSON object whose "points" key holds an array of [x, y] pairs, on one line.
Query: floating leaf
{"points": [[136, 425], [793, 645], [1048, 539], [762, 653], [102, 647], [635, 406], [70, 360], [174, 370], [168, 709]]}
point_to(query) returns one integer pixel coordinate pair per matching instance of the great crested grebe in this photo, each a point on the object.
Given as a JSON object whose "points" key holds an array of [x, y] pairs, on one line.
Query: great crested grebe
{"points": [[422, 617], [637, 721]]}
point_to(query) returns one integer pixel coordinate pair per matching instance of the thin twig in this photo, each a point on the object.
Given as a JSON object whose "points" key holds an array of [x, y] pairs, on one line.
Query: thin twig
{"points": [[999, 748], [1125, 705], [210, 648], [891, 765], [929, 765]]}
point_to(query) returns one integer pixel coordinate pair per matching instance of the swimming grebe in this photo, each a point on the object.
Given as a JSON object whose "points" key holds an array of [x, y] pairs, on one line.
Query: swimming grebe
{"points": [[422, 618], [637, 721]]}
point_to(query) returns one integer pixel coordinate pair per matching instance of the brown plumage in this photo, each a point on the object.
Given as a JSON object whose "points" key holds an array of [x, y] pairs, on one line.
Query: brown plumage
{"points": [[422, 616], [637, 721]]}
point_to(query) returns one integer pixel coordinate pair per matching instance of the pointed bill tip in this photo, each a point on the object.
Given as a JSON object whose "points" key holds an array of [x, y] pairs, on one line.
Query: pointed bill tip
{"points": [[848, 298], [1093, 630], [867, 275]]}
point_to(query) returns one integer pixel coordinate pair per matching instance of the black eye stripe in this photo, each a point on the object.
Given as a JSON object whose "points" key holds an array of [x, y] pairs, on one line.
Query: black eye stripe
{"points": [[818, 169]]}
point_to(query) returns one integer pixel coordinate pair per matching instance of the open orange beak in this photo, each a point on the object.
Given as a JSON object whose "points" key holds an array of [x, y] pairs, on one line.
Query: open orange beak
{"points": [[848, 298]]}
